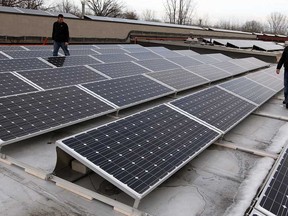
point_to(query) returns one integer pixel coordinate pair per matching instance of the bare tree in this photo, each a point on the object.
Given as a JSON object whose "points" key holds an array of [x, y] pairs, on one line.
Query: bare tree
{"points": [[130, 15], [111, 8], [228, 24], [66, 6], [180, 11], [148, 15], [278, 23], [28, 4], [253, 26]]}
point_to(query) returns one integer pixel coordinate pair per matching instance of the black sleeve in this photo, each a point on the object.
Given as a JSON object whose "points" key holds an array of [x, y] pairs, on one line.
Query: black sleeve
{"points": [[283, 58], [67, 34], [53, 32]]}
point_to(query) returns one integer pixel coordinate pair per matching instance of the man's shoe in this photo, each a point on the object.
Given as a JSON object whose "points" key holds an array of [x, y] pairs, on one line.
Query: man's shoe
{"points": [[284, 102]]}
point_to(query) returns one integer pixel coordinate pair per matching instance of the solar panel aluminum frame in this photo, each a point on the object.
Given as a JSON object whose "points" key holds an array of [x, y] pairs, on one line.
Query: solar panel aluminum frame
{"points": [[268, 180], [3, 143], [206, 123], [113, 180], [256, 213]]}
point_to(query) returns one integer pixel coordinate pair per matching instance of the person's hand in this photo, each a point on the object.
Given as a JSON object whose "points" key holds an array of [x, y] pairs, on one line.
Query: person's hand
{"points": [[277, 71], [66, 43]]}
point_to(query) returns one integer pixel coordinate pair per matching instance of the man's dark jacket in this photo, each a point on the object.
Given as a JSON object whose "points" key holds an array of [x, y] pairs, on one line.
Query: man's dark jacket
{"points": [[283, 59], [60, 32]]}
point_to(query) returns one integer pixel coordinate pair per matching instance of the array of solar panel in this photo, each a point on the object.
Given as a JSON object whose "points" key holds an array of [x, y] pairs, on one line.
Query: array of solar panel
{"points": [[29, 54], [209, 72], [158, 64], [31, 114], [58, 77], [128, 91], [10, 85], [216, 107], [230, 67], [219, 56], [110, 58], [11, 48], [72, 61], [249, 90], [136, 50], [145, 55], [21, 64], [141, 151], [111, 51], [245, 64], [185, 61], [179, 79], [266, 80], [80, 52], [122, 69], [274, 198], [205, 59], [187, 52]]}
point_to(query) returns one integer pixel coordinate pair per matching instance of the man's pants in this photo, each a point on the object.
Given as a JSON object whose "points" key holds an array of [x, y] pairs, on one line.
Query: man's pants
{"points": [[57, 46], [286, 85]]}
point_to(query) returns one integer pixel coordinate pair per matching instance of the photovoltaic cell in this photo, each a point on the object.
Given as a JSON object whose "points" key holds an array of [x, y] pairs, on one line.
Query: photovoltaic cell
{"points": [[11, 48], [169, 54], [221, 57], [257, 62], [79, 52], [11, 85], [209, 72], [3, 56], [111, 51], [145, 55], [271, 72], [245, 64], [123, 69], [32, 114], [274, 198], [60, 77], [110, 58], [187, 52], [185, 61], [136, 50], [21, 64], [107, 46], [43, 47], [217, 107], [249, 90], [128, 90], [81, 47], [205, 59], [140, 152], [158, 64], [179, 79], [230, 67], [130, 46], [158, 49], [29, 54], [72, 61]]}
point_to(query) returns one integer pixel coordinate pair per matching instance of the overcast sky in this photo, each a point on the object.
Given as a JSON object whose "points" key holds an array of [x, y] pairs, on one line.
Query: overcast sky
{"points": [[216, 10]]}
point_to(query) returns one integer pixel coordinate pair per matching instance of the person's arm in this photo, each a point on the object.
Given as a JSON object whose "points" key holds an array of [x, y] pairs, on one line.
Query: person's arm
{"points": [[67, 34], [53, 32], [282, 60]]}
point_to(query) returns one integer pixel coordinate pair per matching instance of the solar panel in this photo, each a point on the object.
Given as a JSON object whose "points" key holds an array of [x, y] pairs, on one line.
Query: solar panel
{"points": [[230, 67], [123, 69], [136, 50], [111, 51], [179, 79], [130, 46], [81, 47], [138, 153], [216, 107], [158, 49], [42, 47], [60, 77], [257, 62], [185, 61], [107, 46], [11, 48], [29, 54], [272, 72], [249, 90], [8, 9], [186, 52], [267, 46], [209, 72], [110, 58], [2, 56], [79, 52], [219, 56], [274, 198], [129, 91], [256, 213], [245, 64], [205, 59], [158, 64], [11, 85], [145, 55], [21, 64], [71, 61], [266, 80], [169, 54], [32, 114], [33, 12]]}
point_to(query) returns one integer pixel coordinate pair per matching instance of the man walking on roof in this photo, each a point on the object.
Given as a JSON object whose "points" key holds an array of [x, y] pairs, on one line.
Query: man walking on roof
{"points": [[284, 60], [60, 36]]}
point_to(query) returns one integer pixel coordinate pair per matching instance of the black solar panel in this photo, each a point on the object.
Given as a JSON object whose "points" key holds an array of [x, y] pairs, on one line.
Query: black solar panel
{"points": [[169, 54], [11, 85], [128, 90], [72, 61], [249, 90], [11, 48], [137, 50], [123, 69], [74, 52], [111, 51], [230, 67], [107, 46], [179, 79], [43, 47], [205, 59], [217, 107], [82, 47], [32, 114], [29, 54], [185, 61], [3, 56], [274, 198], [158, 64], [140, 152], [21, 64], [219, 56], [257, 62], [267, 80], [209, 72], [60, 77], [110, 58], [187, 52], [245, 64], [145, 55]]}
